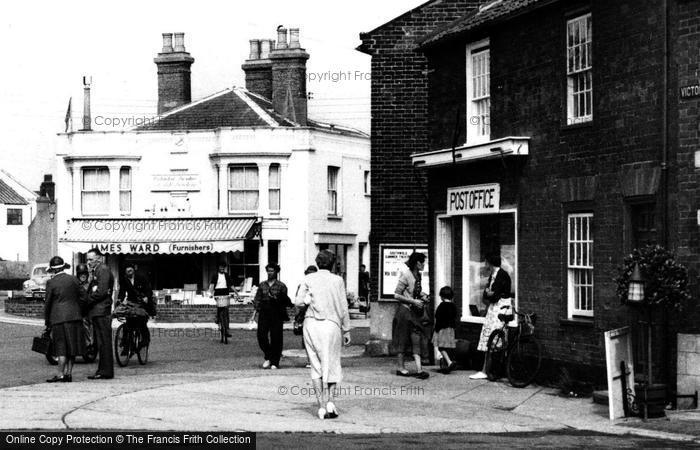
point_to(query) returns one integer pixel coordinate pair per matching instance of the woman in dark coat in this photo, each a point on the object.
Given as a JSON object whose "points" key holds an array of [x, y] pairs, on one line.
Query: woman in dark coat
{"points": [[63, 316]]}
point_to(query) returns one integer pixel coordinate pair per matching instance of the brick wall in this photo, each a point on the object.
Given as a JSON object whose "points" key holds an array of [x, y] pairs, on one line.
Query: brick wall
{"points": [[24, 308], [400, 125], [528, 74]]}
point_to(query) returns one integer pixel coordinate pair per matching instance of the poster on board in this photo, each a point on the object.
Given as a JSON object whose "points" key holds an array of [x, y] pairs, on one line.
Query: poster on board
{"points": [[392, 261], [618, 349]]}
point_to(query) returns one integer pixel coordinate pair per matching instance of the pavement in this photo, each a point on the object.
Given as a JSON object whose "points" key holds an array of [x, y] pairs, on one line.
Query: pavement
{"points": [[371, 400]]}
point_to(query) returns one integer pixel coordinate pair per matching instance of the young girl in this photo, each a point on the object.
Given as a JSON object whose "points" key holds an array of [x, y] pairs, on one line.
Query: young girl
{"points": [[445, 321]]}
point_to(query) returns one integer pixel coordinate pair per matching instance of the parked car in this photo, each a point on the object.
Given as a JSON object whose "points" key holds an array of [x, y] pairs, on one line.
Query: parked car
{"points": [[35, 286]]}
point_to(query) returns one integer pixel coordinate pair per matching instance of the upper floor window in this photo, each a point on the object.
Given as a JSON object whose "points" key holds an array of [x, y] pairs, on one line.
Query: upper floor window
{"points": [[478, 92], [95, 191], [366, 183], [243, 191], [14, 216], [333, 190], [579, 69], [580, 264], [274, 189], [125, 190]]}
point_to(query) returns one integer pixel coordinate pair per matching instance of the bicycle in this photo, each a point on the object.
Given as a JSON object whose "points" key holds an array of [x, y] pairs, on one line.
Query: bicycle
{"points": [[128, 342], [516, 347], [222, 316]]}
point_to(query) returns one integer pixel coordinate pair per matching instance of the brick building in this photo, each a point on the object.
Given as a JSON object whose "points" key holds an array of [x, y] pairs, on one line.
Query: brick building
{"points": [[568, 125]]}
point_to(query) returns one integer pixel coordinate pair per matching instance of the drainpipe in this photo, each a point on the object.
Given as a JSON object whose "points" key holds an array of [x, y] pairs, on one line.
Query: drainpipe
{"points": [[664, 130]]}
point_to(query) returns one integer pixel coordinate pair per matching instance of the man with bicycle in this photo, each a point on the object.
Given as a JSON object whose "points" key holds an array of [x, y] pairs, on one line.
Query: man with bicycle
{"points": [[136, 294]]}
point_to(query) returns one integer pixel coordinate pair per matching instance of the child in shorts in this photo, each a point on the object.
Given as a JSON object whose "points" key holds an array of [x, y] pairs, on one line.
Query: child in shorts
{"points": [[445, 322]]}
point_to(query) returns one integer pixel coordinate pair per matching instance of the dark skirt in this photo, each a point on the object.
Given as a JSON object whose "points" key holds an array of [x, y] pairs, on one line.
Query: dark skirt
{"points": [[406, 332], [68, 338]]}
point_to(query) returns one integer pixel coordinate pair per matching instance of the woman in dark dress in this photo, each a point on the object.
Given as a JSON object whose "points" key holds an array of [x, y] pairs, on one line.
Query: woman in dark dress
{"points": [[63, 316]]}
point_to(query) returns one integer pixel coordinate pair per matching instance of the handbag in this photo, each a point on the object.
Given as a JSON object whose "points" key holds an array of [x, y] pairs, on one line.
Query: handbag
{"points": [[299, 321], [42, 344]]}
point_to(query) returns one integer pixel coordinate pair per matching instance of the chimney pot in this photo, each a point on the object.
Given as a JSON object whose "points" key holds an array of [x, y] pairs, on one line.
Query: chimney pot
{"points": [[87, 117], [254, 49], [179, 42], [265, 46], [167, 42], [281, 38], [294, 38]]}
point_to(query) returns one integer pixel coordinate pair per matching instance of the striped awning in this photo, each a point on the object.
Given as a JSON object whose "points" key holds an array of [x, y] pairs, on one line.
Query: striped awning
{"points": [[160, 236]]}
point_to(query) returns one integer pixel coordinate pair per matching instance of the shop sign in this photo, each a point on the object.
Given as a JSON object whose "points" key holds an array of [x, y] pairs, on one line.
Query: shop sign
{"points": [[691, 91], [176, 182], [159, 248], [392, 261], [476, 199]]}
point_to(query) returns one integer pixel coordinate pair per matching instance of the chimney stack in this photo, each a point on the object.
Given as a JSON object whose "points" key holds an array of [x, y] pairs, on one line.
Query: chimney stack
{"points": [[47, 188], [87, 117], [289, 76], [174, 83], [258, 68]]}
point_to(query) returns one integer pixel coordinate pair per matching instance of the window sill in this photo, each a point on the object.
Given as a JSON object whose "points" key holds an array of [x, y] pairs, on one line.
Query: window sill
{"points": [[368, 195], [334, 217], [576, 126], [577, 322]]}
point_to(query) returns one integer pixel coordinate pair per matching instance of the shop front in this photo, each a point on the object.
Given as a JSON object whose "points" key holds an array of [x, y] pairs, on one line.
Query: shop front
{"points": [[177, 256]]}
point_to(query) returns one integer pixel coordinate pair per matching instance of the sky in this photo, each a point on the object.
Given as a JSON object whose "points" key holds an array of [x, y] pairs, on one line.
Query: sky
{"points": [[47, 47]]}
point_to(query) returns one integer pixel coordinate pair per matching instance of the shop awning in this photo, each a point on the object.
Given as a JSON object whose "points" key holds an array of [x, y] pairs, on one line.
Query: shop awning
{"points": [[512, 146], [160, 236]]}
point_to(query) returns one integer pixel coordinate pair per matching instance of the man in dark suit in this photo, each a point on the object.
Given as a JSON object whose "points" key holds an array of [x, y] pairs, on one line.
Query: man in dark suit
{"points": [[136, 291], [498, 285], [99, 307]]}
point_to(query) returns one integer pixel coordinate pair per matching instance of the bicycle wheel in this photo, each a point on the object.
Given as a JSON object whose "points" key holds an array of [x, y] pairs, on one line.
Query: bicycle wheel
{"points": [[141, 351], [122, 342], [495, 354], [524, 361]]}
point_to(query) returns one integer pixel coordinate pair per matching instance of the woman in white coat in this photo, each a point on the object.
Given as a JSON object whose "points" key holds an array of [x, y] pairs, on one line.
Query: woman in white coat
{"points": [[326, 329]]}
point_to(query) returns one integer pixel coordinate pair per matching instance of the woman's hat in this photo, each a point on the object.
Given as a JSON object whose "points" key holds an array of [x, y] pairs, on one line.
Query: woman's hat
{"points": [[56, 264], [81, 268]]}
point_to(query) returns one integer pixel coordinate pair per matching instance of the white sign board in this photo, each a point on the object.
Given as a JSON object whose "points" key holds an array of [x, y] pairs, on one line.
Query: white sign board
{"points": [[176, 182], [477, 199], [618, 349], [392, 261]]}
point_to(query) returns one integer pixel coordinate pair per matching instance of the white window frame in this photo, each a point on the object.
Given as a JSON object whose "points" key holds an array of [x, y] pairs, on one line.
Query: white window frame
{"points": [[84, 192], [125, 190], [579, 261], [466, 251], [333, 189], [444, 259], [274, 188], [478, 92], [245, 189], [579, 69]]}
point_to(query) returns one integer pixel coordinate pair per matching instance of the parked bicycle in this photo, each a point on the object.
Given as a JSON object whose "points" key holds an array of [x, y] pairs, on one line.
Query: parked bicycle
{"points": [[516, 348], [128, 342]]}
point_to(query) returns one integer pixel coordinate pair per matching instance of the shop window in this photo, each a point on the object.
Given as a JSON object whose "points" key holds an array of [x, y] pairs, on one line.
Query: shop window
{"points": [[243, 191], [274, 187], [579, 69], [333, 173], [483, 235], [125, 190], [273, 252], [580, 264], [341, 253], [643, 225], [246, 264], [443, 253], [95, 191], [366, 183], [478, 92], [14, 216]]}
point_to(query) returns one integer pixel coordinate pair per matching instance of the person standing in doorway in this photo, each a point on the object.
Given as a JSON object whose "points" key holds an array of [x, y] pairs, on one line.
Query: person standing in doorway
{"points": [[363, 283], [99, 308], [271, 302], [497, 288], [63, 317]]}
